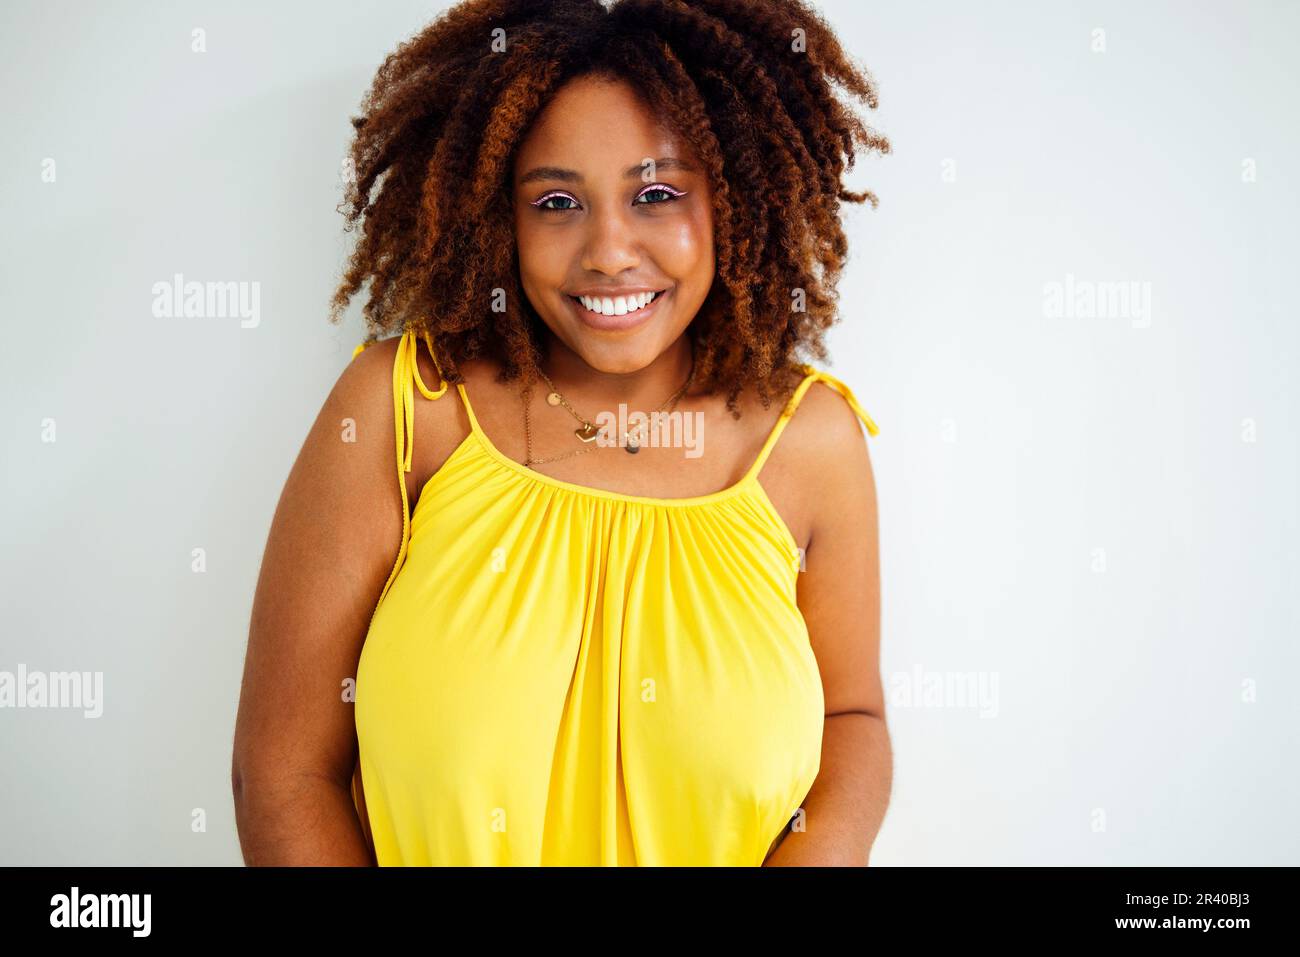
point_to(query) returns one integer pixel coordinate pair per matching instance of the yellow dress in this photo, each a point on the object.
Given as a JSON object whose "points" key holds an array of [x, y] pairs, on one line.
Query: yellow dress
{"points": [[562, 675]]}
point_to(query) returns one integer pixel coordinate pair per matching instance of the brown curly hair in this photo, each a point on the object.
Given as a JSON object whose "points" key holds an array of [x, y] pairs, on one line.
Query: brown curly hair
{"points": [[445, 114]]}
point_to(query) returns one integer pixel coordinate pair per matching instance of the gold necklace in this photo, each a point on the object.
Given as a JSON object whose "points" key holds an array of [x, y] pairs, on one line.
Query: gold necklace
{"points": [[587, 431]]}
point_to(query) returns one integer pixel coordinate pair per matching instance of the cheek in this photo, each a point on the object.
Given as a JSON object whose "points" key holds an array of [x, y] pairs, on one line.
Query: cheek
{"points": [[686, 250], [542, 258]]}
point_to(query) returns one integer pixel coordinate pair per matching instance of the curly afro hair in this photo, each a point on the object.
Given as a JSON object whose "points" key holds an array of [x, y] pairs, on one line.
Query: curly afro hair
{"points": [[748, 83]]}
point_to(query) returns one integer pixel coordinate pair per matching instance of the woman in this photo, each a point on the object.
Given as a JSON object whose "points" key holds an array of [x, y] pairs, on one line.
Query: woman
{"points": [[601, 641]]}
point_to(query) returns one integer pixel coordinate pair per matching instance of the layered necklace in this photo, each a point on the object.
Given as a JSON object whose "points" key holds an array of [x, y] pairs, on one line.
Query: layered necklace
{"points": [[587, 430]]}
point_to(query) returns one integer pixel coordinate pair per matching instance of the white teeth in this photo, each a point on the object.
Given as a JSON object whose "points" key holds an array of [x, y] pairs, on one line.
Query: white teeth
{"points": [[619, 305]]}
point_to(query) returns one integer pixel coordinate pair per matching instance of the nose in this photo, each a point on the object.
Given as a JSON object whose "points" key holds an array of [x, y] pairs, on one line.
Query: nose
{"points": [[611, 244]]}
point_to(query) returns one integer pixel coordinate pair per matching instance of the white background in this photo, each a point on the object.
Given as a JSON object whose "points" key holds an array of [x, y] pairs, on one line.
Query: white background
{"points": [[1072, 510]]}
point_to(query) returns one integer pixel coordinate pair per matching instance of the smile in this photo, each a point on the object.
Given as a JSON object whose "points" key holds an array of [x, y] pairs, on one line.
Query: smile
{"points": [[616, 312]]}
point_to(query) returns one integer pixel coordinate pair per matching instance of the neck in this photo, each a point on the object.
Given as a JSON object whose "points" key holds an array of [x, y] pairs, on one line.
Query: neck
{"points": [[643, 389]]}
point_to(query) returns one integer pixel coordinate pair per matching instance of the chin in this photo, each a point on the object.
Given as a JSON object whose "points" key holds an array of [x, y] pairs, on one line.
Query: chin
{"points": [[614, 351], [617, 358]]}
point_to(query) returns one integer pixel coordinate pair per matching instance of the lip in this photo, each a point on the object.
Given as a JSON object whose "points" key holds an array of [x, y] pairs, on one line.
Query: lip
{"points": [[631, 320]]}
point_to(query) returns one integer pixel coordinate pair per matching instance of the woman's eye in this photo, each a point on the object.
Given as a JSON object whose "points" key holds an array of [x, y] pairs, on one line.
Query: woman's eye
{"points": [[552, 197], [668, 192]]}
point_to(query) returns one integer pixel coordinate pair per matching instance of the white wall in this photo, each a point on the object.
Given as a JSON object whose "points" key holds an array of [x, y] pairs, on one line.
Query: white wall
{"points": [[1072, 512]]}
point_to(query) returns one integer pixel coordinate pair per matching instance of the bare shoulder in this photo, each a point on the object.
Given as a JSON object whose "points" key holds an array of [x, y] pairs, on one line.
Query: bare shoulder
{"points": [[361, 402], [829, 444], [837, 436], [370, 373], [824, 432], [438, 424], [346, 463]]}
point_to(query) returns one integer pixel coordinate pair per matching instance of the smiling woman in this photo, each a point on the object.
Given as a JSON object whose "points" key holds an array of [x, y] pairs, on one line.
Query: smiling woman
{"points": [[652, 659], [652, 223]]}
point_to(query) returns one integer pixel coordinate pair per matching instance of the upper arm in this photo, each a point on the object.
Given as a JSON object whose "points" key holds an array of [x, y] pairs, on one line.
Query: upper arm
{"points": [[839, 590], [332, 544]]}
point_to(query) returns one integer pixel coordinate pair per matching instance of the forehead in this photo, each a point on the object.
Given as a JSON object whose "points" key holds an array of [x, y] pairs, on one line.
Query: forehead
{"points": [[596, 125]]}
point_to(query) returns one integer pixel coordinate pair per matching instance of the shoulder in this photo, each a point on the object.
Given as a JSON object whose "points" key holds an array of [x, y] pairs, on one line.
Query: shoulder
{"points": [[370, 372], [357, 415], [825, 424], [372, 384], [833, 415], [831, 442]]}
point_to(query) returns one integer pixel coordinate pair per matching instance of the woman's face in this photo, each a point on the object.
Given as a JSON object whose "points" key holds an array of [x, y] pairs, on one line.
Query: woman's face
{"points": [[608, 203]]}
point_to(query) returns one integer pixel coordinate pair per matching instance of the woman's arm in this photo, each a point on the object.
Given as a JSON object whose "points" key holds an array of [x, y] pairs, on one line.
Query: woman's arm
{"points": [[331, 547], [839, 595]]}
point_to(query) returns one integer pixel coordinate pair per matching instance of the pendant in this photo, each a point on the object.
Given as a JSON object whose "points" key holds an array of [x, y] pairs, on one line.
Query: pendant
{"points": [[631, 447], [553, 398], [587, 433]]}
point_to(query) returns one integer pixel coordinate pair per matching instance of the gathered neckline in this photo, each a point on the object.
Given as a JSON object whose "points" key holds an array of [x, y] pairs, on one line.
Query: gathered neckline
{"points": [[491, 449], [748, 484]]}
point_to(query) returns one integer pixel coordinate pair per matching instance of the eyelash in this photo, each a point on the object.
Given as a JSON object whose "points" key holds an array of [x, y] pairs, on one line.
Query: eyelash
{"points": [[673, 194]]}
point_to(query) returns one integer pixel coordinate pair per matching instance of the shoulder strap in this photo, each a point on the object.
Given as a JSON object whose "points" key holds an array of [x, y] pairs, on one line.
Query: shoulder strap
{"points": [[811, 375], [406, 375]]}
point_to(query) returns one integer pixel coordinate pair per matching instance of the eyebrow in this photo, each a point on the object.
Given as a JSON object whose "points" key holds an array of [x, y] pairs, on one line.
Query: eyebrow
{"points": [[573, 176]]}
